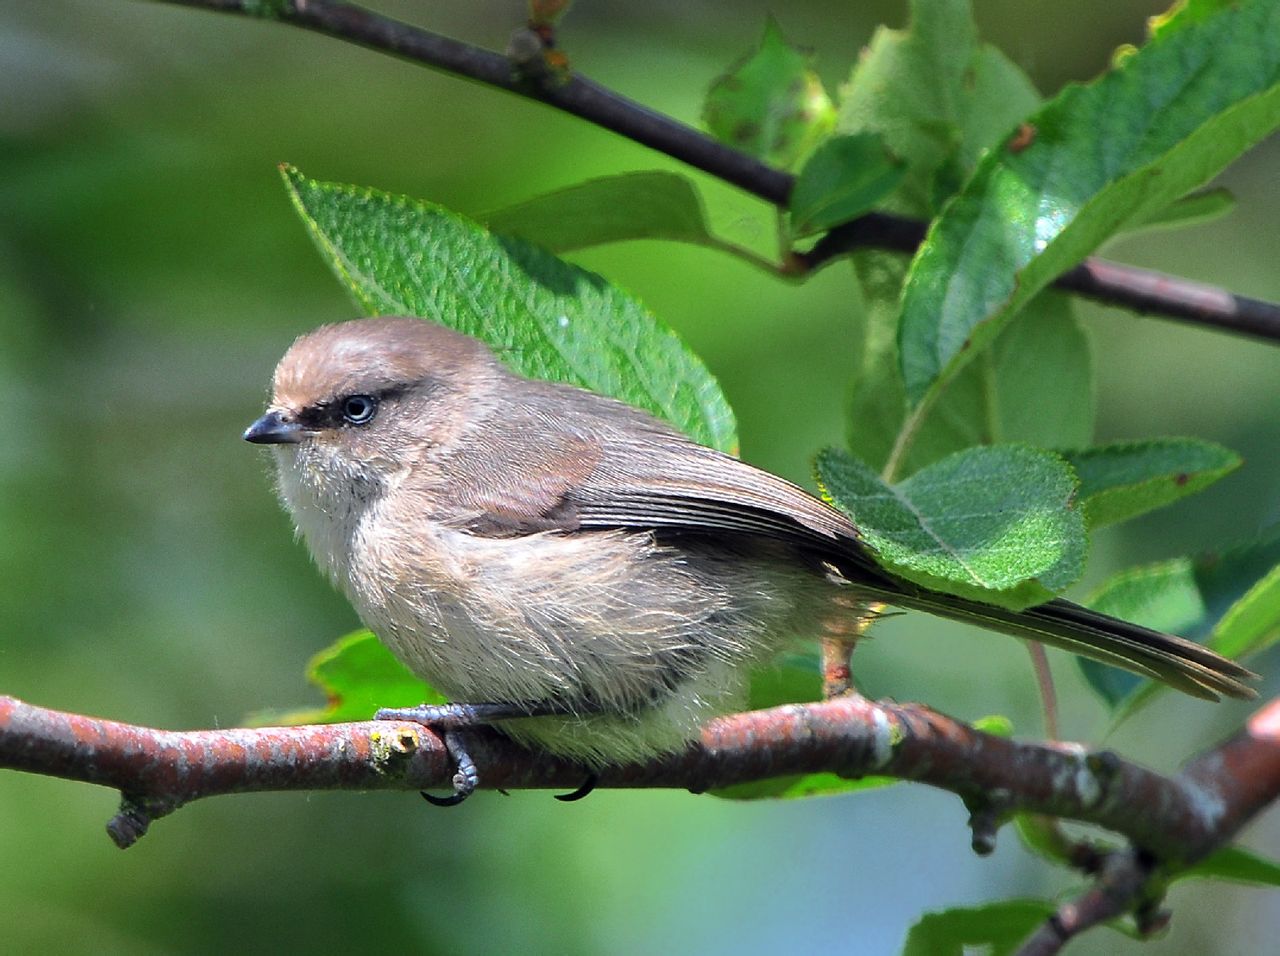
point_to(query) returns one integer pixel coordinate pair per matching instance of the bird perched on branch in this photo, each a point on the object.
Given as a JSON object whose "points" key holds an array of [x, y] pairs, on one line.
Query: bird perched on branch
{"points": [[575, 571]]}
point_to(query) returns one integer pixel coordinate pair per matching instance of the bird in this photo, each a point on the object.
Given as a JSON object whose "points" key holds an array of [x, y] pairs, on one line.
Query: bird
{"points": [[576, 572]]}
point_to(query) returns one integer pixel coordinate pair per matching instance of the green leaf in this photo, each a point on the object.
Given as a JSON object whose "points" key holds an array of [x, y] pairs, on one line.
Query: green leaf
{"points": [[1034, 385], [1103, 155], [940, 99], [792, 679], [878, 401], [1229, 600], [629, 206], [358, 675], [1252, 624], [544, 317], [844, 178], [1225, 577], [770, 104], [1162, 596], [802, 786], [995, 524], [1119, 482], [1198, 208], [641, 205], [937, 96], [998, 928], [1183, 13], [1234, 864], [1041, 836]]}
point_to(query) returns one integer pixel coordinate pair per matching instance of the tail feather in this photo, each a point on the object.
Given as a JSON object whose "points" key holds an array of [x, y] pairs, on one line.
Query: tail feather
{"points": [[1183, 664]]}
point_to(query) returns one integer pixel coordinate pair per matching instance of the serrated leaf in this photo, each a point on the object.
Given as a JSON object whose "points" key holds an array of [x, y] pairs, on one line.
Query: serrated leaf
{"points": [[1102, 156], [997, 928], [844, 178], [1183, 13], [1121, 481], [940, 99], [358, 675], [937, 96], [996, 524], [544, 317], [1235, 864], [770, 104]]}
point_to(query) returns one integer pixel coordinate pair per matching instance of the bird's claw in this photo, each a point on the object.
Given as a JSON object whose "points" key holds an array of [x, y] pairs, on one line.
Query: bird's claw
{"points": [[465, 779], [445, 720], [585, 788]]}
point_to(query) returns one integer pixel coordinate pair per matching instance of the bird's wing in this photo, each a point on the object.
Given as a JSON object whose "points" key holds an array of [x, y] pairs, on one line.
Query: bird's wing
{"points": [[597, 463]]}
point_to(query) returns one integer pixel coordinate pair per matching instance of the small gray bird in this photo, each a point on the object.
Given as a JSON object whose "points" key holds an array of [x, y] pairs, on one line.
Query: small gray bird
{"points": [[574, 569]]}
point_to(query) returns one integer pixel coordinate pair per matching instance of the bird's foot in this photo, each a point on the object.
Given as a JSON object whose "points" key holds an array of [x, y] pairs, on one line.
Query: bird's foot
{"points": [[448, 720]]}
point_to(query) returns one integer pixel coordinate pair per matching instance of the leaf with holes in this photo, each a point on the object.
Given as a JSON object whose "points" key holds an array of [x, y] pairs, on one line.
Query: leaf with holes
{"points": [[770, 104]]}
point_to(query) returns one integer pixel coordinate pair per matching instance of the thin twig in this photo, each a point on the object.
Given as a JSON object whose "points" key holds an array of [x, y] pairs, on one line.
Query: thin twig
{"points": [[1138, 289], [1119, 886]]}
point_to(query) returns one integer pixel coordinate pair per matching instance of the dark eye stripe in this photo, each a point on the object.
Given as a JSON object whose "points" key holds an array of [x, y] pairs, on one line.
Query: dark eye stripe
{"points": [[329, 413]]}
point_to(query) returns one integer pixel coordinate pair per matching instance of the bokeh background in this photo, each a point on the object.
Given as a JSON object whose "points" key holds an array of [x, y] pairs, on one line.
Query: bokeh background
{"points": [[151, 273]]}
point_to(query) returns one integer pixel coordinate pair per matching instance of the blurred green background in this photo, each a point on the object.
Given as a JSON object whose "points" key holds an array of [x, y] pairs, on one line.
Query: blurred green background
{"points": [[152, 272]]}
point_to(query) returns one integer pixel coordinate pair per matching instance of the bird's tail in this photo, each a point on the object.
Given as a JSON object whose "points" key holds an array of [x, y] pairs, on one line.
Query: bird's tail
{"points": [[1180, 663]]}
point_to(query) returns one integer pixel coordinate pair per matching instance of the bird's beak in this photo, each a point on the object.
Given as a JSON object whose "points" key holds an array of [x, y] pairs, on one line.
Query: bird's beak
{"points": [[274, 428]]}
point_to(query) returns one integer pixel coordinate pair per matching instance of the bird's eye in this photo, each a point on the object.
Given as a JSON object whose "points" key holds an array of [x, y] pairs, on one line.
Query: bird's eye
{"points": [[359, 409]]}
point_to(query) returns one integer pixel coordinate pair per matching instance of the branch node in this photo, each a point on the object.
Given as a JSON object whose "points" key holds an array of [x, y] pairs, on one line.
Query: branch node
{"points": [[988, 812], [1103, 764], [135, 816], [1152, 917], [536, 62]]}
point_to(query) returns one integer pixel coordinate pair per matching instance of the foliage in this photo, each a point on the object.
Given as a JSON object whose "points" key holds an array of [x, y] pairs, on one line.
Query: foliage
{"points": [[977, 384]]}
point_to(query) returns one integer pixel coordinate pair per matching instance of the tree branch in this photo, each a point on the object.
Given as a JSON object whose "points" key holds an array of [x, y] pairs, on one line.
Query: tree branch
{"points": [[1112, 283], [1233, 781], [1175, 819]]}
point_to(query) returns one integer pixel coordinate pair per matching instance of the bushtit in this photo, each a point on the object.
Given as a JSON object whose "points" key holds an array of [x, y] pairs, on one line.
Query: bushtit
{"points": [[539, 552]]}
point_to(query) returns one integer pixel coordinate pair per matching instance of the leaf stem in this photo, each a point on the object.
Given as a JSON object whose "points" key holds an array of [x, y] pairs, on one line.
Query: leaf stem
{"points": [[1048, 694], [907, 433]]}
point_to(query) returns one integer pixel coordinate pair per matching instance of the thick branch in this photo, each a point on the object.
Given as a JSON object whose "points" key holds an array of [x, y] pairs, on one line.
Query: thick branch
{"points": [[1109, 282], [1176, 819]]}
